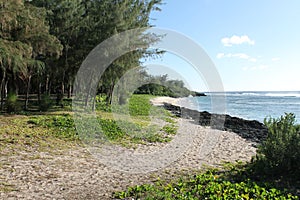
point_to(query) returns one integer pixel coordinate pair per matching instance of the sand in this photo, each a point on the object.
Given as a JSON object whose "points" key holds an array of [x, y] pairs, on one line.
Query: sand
{"points": [[76, 174]]}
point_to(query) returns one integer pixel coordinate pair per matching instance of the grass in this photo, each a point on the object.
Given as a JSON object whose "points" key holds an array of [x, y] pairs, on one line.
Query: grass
{"points": [[56, 129], [5, 187], [17, 133]]}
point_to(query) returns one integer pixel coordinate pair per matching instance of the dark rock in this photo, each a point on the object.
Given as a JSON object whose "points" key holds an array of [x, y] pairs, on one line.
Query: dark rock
{"points": [[200, 94], [249, 129]]}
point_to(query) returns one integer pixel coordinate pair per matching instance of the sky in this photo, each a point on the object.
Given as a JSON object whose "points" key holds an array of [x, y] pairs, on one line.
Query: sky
{"points": [[255, 45]]}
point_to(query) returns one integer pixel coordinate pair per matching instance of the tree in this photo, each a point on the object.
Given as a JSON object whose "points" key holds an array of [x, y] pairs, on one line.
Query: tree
{"points": [[24, 37], [127, 15], [83, 24], [44, 42], [67, 21]]}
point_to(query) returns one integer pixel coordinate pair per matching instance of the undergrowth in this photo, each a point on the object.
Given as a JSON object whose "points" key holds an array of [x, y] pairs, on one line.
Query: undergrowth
{"points": [[209, 185]]}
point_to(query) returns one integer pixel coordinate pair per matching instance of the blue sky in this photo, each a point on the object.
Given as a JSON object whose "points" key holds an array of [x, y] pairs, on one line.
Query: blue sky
{"points": [[255, 45]]}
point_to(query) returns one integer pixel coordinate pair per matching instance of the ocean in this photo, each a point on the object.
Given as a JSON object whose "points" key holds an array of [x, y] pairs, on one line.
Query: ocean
{"points": [[248, 105]]}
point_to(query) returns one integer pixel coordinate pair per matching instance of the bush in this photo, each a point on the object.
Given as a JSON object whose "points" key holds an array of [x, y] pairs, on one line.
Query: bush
{"points": [[11, 103], [45, 103], [279, 154]]}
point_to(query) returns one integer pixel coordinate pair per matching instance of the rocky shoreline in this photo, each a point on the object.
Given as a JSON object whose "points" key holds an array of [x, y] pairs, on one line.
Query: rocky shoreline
{"points": [[251, 130]]}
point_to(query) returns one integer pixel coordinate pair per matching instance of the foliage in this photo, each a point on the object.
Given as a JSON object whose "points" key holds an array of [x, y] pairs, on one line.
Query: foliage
{"points": [[45, 103], [161, 86], [18, 134], [119, 131], [101, 103], [279, 154], [44, 42], [208, 185], [170, 129], [12, 103], [61, 126], [24, 38], [81, 25], [139, 105]]}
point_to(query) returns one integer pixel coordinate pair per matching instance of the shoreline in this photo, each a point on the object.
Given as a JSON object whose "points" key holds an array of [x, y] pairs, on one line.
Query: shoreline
{"points": [[252, 130]]}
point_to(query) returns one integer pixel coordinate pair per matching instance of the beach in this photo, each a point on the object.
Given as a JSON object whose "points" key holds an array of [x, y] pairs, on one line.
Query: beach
{"points": [[76, 174]]}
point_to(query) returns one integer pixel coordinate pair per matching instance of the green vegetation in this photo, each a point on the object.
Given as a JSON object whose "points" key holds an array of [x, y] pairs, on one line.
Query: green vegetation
{"points": [[278, 156], [60, 126], [18, 133], [44, 42], [170, 129], [37, 130], [208, 185], [140, 105], [161, 86]]}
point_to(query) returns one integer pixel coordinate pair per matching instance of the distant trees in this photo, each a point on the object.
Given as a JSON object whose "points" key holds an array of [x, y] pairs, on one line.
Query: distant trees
{"points": [[161, 86]]}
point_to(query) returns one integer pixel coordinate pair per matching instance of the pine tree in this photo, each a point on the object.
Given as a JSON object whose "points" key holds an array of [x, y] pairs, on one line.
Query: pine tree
{"points": [[24, 37]]}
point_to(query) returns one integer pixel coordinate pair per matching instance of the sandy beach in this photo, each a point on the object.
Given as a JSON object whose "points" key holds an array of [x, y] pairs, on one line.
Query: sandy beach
{"points": [[76, 174]]}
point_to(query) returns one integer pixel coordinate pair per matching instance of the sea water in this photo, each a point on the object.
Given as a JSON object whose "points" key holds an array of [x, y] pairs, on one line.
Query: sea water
{"points": [[249, 105]]}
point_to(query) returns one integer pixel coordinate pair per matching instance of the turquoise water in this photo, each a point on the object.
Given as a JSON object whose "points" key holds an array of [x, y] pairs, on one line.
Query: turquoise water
{"points": [[251, 105]]}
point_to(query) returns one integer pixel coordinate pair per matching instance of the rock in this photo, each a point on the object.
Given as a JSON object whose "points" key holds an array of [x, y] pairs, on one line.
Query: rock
{"points": [[200, 94], [249, 129]]}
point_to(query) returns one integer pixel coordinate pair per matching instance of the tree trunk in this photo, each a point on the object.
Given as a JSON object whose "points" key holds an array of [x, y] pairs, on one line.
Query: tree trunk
{"points": [[89, 91], [70, 91], [47, 85], [12, 86], [87, 97], [109, 93], [5, 89], [94, 105], [39, 92], [27, 93], [62, 88], [2, 90]]}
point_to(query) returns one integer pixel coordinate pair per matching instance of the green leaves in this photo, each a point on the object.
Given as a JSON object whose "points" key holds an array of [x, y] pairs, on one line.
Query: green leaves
{"points": [[203, 186], [279, 154]]}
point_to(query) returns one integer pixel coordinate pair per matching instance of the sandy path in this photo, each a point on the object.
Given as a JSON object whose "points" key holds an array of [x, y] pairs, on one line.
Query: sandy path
{"points": [[76, 174]]}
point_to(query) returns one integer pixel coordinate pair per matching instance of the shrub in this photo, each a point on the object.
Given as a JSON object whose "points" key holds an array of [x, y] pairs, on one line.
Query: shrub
{"points": [[11, 103], [279, 154], [45, 103]]}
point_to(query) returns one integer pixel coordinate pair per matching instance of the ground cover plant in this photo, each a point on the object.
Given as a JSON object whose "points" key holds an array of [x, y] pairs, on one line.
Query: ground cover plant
{"points": [[34, 128], [209, 185]]}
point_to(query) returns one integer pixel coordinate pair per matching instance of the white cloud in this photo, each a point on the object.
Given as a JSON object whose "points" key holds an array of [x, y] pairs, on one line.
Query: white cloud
{"points": [[275, 59], [220, 55], [253, 60], [236, 40], [256, 68], [236, 55], [241, 55]]}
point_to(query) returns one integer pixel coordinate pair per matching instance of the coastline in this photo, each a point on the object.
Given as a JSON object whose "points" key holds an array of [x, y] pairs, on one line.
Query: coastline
{"points": [[252, 130]]}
